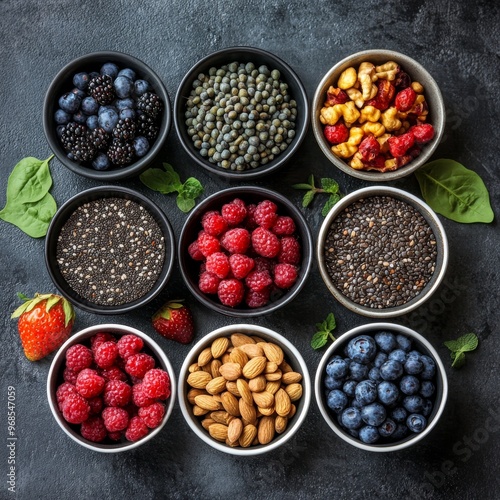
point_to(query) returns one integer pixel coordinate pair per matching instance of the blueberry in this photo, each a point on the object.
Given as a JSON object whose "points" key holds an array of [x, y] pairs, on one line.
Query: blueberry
{"points": [[80, 93], [427, 388], [400, 432], [413, 364], [369, 434], [101, 162], [427, 408], [92, 122], [123, 86], [387, 428], [391, 370], [70, 102], [141, 87], [337, 367], [356, 404], [103, 109], [362, 349], [350, 387], [416, 422], [141, 146], [110, 69], [81, 80], [358, 371], [366, 392], [93, 74], [409, 385], [337, 401], [380, 359], [90, 106], [124, 103], [351, 418], [354, 433], [332, 383], [403, 342], [387, 393], [61, 117], [398, 355], [60, 130], [429, 367], [127, 113], [129, 73], [373, 414], [80, 117], [386, 341], [108, 119], [374, 374], [413, 404], [399, 414]]}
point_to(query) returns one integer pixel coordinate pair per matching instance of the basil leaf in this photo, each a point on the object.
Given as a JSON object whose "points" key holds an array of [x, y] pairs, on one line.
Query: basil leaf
{"points": [[158, 180], [185, 204], [455, 191], [192, 188], [174, 176]]}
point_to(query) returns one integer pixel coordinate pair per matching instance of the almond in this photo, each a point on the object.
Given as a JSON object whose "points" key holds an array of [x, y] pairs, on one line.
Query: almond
{"points": [[207, 422], [239, 339], [198, 412], [252, 350], [207, 368], [232, 445], [221, 417], [233, 388], [283, 403], [273, 386], [214, 367], [285, 367], [230, 404], [294, 391], [273, 377], [194, 368], [257, 384], [248, 435], [193, 393], [266, 430], [218, 432], [254, 367], [273, 352], [230, 371], [263, 399], [238, 356], [293, 410], [205, 356], [255, 442], [217, 398], [280, 424], [226, 358], [257, 339], [216, 385], [199, 380], [207, 402], [234, 430], [248, 412], [244, 391], [271, 367], [291, 378], [219, 347], [266, 411]]}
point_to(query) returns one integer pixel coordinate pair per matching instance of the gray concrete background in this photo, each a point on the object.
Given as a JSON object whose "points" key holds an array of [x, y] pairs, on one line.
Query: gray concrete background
{"points": [[458, 43]]}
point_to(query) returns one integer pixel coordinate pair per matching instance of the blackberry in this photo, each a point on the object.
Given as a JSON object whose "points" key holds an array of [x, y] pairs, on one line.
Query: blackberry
{"points": [[101, 89], [151, 104], [76, 141], [124, 129], [100, 138], [147, 127], [120, 153]]}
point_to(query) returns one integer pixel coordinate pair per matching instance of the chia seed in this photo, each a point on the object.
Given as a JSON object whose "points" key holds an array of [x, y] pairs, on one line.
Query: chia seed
{"points": [[111, 251], [380, 252]]}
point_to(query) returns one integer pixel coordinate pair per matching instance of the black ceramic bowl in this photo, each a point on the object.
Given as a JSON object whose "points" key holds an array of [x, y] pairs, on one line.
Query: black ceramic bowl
{"points": [[242, 55], [190, 268], [62, 83], [62, 216]]}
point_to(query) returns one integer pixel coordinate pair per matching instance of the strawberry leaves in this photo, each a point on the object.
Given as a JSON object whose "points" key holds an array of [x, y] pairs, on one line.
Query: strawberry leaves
{"points": [[328, 186], [324, 332], [51, 300]]}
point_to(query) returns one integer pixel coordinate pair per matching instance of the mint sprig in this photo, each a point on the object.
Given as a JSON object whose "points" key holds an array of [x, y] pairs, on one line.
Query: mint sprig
{"points": [[328, 186], [460, 346], [168, 181], [324, 331]]}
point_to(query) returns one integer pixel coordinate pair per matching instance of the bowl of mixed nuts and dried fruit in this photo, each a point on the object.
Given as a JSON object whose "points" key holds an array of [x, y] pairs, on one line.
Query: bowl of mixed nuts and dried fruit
{"points": [[244, 389], [378, 115]]}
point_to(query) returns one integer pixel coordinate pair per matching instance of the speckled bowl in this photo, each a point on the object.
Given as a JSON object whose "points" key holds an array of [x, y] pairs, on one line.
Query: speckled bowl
{"points": [[417, 73]]}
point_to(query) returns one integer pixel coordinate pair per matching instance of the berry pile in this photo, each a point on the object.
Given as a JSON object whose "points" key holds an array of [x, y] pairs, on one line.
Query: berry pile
{"points": [[249, 253], [109, 119], [112, 389], [382, 390]]}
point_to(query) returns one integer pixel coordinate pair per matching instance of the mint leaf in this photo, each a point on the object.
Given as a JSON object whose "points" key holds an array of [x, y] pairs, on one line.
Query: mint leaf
{"points": [[192, 188], [176, 180], [308, 197], [185, 204], [158, 180], [460, 346], [458, 359], [302, 186], [468, 342], [330, 185], [319, 340], [330, 322], [334, 198], [311, 180]]}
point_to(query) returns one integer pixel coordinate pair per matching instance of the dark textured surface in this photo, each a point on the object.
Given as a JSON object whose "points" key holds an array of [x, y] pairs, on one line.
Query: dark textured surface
{"points": [[458, 43]]}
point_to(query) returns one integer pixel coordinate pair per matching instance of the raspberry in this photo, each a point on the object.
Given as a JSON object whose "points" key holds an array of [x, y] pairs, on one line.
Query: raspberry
{"points": [[290, 251], [241, 265], [194, 251], [230, 292], [75, 409], [335, 134], [255, 299], [422, 133], [336, 96], [384, 95], [138, 364], [117, 393], [208, 283], [93, 429], [99, 338], [207, 244], [285, 275], [156, 384], [152, 415], [115, 419], [250, 222], [78, 357], [136, 429], [234, 213], [62, 391], [115, 436], [213, 223], [70, 376], [263, 264], [399, 145], [258, 280], [89, 383], [96, 405], [404, 99], [265, 243], [131, 410], [128, 345], [284, 226], [218, 264], [369, 149], [236, 240], [139, 398], [265, 214], [106, 354]]}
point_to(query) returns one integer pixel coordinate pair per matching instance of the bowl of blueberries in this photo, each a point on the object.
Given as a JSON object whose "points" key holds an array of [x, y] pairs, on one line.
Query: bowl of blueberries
{"points": [[106, 115], [381, 387]]}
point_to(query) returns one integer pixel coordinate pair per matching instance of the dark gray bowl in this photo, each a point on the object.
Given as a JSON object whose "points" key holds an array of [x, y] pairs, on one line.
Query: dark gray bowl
{"points": [[63, 83]]}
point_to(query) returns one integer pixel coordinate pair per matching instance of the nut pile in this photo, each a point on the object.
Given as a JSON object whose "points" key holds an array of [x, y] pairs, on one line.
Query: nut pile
{"points": [[376, 117], [243, 390]]}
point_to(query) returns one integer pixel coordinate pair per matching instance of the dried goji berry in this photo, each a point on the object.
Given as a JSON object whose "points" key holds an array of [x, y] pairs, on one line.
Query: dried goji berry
{"points": [[402, 80], [399, 145], [384, 95], [378, 163], [335, 134], [335, 96], [422, 133], [369, 149], [405, 99]]}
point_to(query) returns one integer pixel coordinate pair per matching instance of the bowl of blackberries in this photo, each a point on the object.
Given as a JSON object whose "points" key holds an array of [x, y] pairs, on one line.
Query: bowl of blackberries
{"points": [[106, 115], [381, 387]]}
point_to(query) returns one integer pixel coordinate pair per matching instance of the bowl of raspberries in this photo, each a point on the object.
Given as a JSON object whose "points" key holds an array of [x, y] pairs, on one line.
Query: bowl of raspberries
{"points": [[106, 115], [111, 388], [245, 251]]}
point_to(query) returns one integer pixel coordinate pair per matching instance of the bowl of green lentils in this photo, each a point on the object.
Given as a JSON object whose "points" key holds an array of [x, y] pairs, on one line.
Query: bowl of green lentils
{"points": [[382, 252], [241, 112]]}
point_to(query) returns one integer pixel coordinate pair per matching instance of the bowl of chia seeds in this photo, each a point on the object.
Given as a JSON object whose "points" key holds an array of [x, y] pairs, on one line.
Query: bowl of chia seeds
{"points": [[382, 252], [109, 250], [241, 112]]}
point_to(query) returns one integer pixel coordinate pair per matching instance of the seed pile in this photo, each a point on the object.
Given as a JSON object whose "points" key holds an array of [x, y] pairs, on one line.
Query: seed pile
{"points": [[111, 251], [380, 252]]}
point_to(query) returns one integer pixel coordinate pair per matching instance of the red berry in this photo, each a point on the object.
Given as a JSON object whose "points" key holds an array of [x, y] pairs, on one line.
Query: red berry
{"points": [[136, 429], [258, 280], [93, 429], [96, 405], [255, 299], [290, 251], [422, 133], [264, 264], [284, 226], [234, 213], [369, 148], [285, 275], [139, 398], [213, 223], [99, 338], [89, 383], [70, 376], [265, 214], [152, 415], [128, 345], [113, 373], [62, 391], [106, 354], [207, 244], [231, 292], [156, 384], [115, 419], [208, 283], [218, 264], [138, 364], [336, 96], [250, 221], [384, 95], [117, 393], [404, 99], [174, 321], [241, 265], [265, 243], [378, 163], [78, 357], [194, 251], [75, 409], [115, 436], [236, 240], [335, 134], [399, 145]]}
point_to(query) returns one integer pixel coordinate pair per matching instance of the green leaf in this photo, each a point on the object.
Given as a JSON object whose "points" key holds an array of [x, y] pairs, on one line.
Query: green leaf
{"points": [[452, 345], [319, 340], [455, 191], [311, 180], [176, 180], [192, 188], [308, 197], [334, 198], [69, 312], [302, 186], [185, 204], [330, 185], [330, 322], [458, 359], [158, 180], [324, 330]]}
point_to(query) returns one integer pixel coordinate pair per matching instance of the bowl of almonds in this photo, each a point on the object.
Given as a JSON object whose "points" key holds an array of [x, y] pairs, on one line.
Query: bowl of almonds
{"points": [[244, 389]]}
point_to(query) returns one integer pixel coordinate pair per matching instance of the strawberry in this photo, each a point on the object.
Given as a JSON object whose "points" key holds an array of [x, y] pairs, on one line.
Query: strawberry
{"points": [[45, 323], [175, 322]]}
